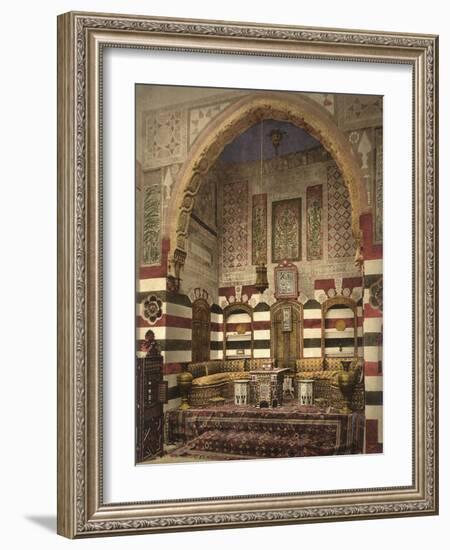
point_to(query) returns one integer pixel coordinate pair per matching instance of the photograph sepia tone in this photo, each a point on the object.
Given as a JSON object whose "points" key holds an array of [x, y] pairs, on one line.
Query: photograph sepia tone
{"points": [[259, 275]]}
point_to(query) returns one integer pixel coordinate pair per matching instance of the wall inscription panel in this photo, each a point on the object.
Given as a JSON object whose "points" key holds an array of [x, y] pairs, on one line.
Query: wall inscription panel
{"points": [[151, 225], [314, 230], [286, 230], [259, 229]]}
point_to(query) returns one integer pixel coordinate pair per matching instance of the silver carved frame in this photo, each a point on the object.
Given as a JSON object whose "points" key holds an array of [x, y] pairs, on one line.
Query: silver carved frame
{"points": [[81, 510]]}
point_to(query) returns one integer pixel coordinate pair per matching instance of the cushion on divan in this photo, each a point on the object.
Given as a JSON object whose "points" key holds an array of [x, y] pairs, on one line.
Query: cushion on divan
{"points": [[211, 379], [214, 368]]}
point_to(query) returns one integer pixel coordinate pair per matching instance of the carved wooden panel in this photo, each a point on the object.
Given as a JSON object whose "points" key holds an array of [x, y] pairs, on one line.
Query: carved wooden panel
{"points": [[286, 345], [151, 393], [201, 331]]}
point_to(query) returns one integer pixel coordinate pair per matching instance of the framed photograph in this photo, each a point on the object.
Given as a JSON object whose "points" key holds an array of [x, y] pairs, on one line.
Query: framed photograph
{"points": [[247, 284]]}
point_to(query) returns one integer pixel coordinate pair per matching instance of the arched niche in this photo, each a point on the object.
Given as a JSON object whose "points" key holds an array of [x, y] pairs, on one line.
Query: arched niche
{"points": [[339, 315], [238, 117], [238, 331]]}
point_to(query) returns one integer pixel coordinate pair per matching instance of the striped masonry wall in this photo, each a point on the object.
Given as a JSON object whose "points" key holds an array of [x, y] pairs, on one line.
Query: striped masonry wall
{"points": [[173, 332], [312, 329], [216, 332], [261, 331], [373, 342]]}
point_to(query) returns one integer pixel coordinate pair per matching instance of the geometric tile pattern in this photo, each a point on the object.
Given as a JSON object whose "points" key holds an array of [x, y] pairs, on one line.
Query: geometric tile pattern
{"points": [[235, 224], [199, 117], [341, 243], [165, 138]]}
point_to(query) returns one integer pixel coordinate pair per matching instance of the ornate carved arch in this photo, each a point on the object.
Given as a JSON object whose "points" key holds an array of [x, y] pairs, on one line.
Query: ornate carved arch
{"points": [[234, 120]]}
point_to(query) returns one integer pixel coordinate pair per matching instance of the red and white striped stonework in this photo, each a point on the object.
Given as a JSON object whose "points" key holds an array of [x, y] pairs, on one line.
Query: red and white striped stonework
{"points": [[173, 331], [373, 344]]}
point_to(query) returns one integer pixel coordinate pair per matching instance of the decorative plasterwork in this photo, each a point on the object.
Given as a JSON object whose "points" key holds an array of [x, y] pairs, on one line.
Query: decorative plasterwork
{"points": [[165, 138], [199, 117], [325, 100], [152, 309], [151, 225], [362, 111], [199, 293]]}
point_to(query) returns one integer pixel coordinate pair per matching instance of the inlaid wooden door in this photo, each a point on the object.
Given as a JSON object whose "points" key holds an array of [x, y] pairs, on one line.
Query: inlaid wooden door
{"points": [[286, 334], [201, 331]]}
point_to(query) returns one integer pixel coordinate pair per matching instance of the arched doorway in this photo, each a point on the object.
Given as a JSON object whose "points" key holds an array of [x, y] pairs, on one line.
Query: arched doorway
{"points": [[286, 333], [201, 331]]}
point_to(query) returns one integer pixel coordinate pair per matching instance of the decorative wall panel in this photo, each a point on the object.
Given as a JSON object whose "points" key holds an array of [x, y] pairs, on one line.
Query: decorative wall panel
{"points": [[199, 117], [324, 100], [151, 225], [359, 111], [341, 243], [235, 224], [314, 230], [286, 230], [205, 207], [378, 191], [259, 229], [165, 138]]}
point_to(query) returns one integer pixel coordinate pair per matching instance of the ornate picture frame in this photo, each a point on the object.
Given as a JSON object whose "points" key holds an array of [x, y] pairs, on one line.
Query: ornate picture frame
{"points": [[82, 509]]}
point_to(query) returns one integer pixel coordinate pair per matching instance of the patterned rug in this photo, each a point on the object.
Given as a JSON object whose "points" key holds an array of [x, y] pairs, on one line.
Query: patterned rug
{"points": [[229, 432]]}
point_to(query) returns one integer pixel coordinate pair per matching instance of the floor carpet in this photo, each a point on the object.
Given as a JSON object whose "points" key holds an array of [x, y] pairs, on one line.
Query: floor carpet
{"points": [[229, 432]]}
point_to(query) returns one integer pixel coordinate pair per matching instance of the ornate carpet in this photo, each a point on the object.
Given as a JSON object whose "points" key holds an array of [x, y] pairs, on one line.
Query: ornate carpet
{"points": [[229, 432]]}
